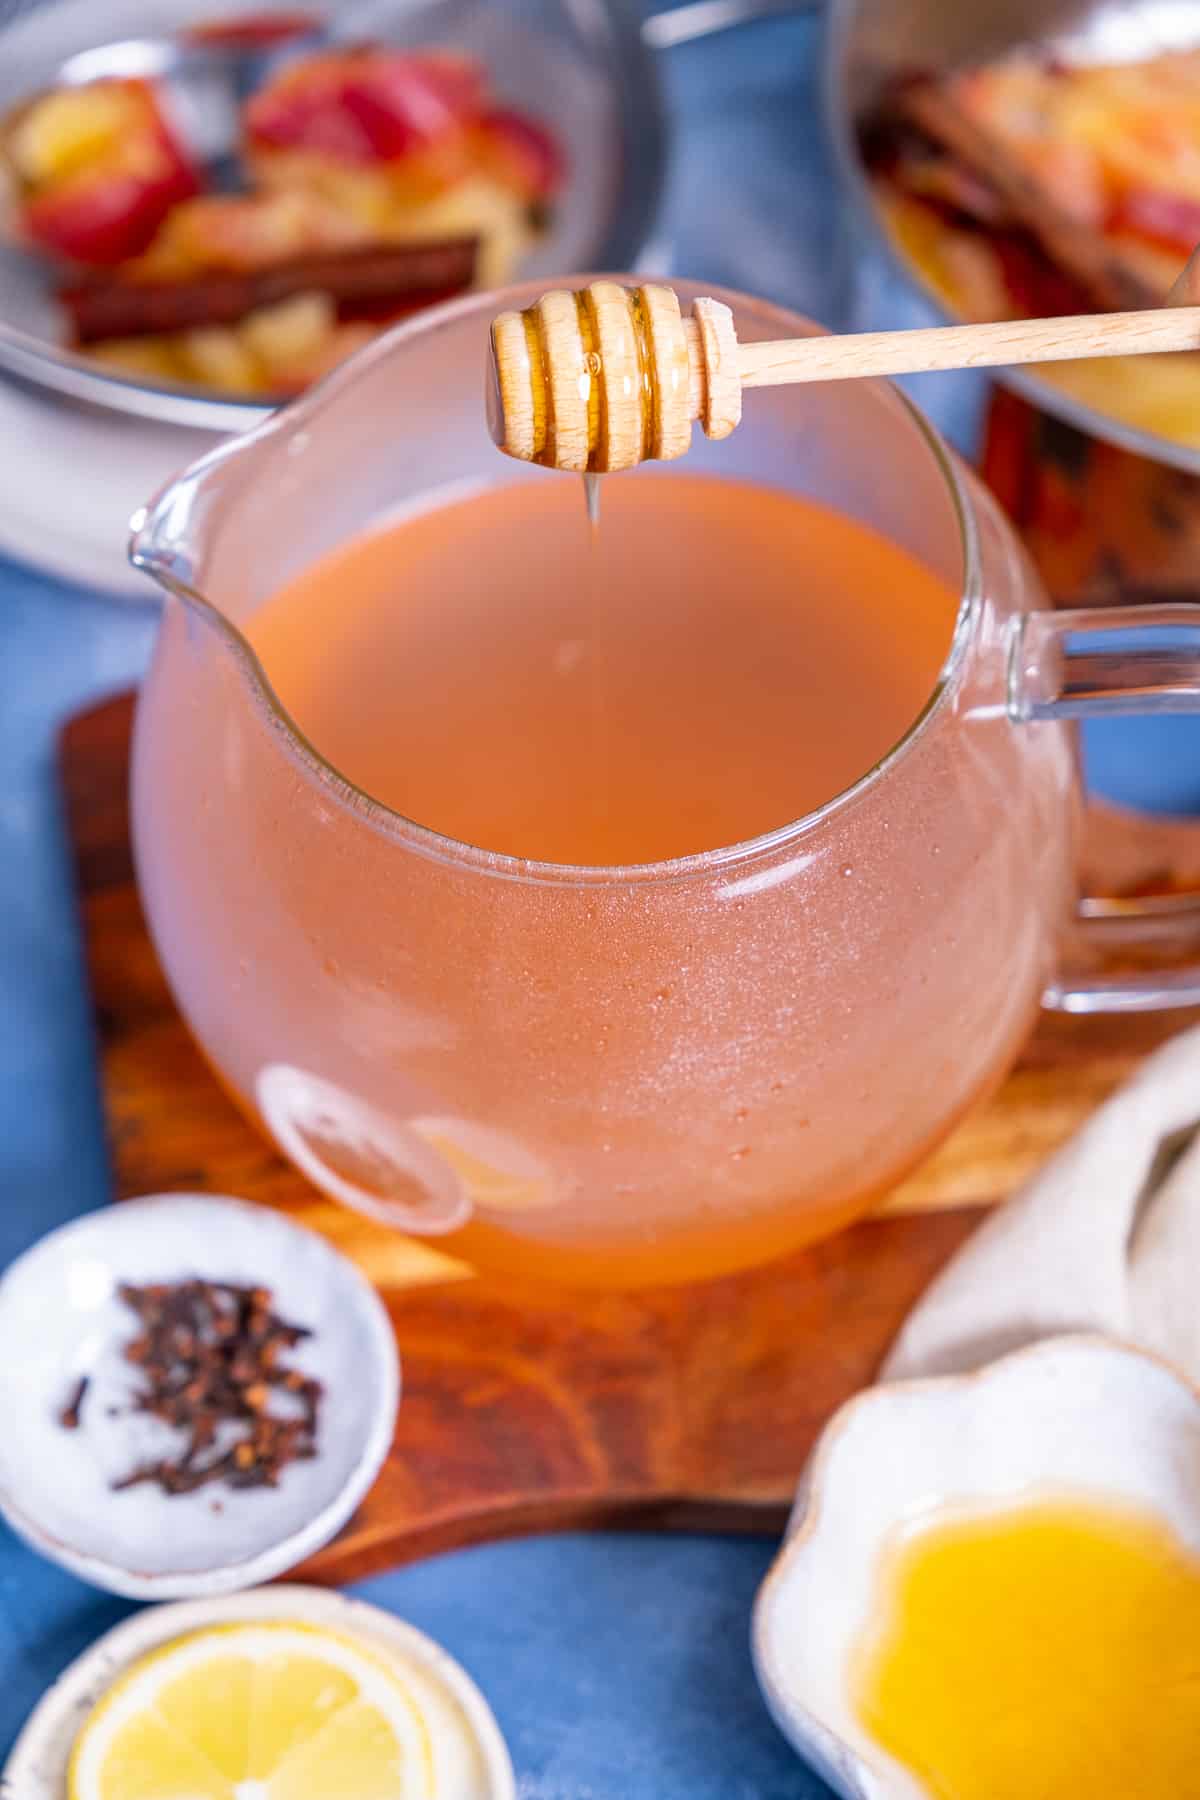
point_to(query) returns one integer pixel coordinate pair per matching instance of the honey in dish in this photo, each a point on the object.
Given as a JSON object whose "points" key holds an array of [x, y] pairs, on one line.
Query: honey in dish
{"points": [[1046, 1652], [715, 660]]}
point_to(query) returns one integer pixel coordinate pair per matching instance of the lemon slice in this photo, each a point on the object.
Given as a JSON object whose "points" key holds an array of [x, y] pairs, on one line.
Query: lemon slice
{"points": [[272, 1711]]}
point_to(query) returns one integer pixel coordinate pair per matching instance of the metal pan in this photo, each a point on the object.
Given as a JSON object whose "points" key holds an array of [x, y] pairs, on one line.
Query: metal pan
{"points": [[586, 67], [868, 43]]}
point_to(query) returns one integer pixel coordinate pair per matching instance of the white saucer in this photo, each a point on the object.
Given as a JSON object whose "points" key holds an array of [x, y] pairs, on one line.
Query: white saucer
{"points": [[61, 1318], [478, 1767], [74, 477]]}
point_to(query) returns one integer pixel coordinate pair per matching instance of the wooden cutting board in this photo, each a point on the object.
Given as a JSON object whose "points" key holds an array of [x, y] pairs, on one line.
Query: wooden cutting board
{"points": [[533, 1409]]}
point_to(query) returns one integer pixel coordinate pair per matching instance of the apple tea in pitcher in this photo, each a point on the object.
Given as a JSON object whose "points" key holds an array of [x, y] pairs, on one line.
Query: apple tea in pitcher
{"points": [[614, 908]]}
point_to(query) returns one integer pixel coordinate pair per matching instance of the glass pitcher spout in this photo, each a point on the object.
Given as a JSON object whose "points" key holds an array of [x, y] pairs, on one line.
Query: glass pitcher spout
{"points": [[260, 507], [162, 537], [171, 537]]}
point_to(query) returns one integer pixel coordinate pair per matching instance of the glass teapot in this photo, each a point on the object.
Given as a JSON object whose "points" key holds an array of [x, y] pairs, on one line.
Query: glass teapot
{"points": [[628, 1075]]}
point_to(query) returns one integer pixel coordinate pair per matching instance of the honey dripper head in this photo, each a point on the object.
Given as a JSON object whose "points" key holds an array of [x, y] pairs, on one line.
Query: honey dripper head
{"points": [[609, 376]]}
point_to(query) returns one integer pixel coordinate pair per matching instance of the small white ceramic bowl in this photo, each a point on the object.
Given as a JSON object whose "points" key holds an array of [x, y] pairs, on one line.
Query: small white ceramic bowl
{"points": [[61, 1318], [1072, 1416], [471, 1760]]}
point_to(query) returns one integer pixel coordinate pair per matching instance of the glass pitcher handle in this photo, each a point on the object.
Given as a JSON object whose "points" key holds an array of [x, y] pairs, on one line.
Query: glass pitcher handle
{"points": [[1108, 662]]}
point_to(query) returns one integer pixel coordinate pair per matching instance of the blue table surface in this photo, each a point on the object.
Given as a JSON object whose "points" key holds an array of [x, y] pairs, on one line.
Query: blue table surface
{"points": [[618, 1666]]}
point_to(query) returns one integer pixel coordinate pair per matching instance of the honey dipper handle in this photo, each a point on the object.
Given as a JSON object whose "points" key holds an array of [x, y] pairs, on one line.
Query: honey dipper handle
{"points": [[1001, 345]]}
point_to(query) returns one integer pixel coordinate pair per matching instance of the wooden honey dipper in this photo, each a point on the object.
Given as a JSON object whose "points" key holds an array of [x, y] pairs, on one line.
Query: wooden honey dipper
{"points": [[610, 376]]}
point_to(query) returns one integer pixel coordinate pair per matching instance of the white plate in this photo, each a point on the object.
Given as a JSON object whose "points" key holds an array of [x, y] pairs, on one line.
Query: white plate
{"points": [[1070, 1416], [61, 1318], [74, 477], [470, 1756]]}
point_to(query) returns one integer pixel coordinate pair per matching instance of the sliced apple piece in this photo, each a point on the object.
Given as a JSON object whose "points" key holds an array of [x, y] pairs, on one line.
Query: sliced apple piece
{"points": [[365, 106], [68, 129], [516, 150], [99, 169], [100, 218]]}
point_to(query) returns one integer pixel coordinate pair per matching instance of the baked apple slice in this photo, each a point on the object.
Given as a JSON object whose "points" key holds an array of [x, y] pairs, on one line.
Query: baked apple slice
{"points": [[97, 169]]}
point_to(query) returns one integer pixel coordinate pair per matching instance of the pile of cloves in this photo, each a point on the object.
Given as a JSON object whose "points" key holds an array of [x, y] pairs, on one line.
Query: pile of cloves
{"points": [[211, 1357]]}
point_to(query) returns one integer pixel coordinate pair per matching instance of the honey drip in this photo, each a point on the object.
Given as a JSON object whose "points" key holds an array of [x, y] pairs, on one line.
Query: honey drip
{"points": [[599, 675]]}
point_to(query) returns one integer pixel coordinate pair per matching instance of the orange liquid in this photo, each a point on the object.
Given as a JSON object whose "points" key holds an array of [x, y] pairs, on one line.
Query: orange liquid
{"points": [[719, 660]]}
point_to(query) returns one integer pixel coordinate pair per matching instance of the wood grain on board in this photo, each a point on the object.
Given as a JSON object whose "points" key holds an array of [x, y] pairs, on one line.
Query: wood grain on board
{"points": [[526, 1409]]}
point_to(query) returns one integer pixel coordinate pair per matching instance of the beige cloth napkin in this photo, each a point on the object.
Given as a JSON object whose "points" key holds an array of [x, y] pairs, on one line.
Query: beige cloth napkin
{"points": [[1106, 1238]]}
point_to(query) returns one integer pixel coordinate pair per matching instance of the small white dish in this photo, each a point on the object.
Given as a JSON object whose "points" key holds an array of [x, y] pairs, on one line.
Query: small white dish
{"points": [[471, 1760], [61, 1319], [104, 466], [1071, 1416]]}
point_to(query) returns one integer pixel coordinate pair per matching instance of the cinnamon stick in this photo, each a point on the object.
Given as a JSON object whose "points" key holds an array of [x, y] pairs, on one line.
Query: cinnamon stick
{"points": [[1110, 284], [104, 305]]}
